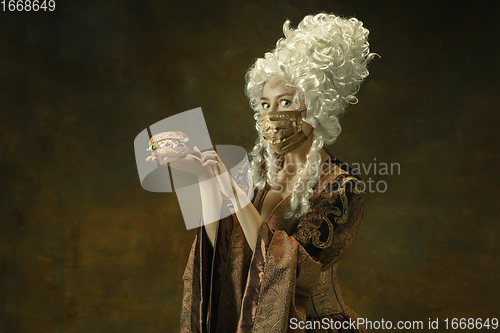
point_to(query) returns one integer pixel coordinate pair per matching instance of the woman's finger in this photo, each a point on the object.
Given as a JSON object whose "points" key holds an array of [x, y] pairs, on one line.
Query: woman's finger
{"points": [[212, 156], [197, 151], [208, 155], [210, 163]]}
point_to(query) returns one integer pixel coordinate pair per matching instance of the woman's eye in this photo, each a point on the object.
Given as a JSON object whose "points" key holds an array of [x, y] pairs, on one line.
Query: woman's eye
{"points": [[265, 106], [285, 102]]}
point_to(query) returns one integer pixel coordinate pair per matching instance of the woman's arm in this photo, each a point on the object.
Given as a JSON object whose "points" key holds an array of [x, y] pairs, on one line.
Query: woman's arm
{"points": [[248, 217]]}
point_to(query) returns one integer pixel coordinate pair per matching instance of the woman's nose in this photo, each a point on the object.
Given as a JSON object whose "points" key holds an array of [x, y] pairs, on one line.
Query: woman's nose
{"points": [[273, 107]]}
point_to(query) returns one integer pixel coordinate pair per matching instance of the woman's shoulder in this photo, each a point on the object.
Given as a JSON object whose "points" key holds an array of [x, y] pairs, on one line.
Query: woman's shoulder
{"points": [[341, 167], [336, 174]]}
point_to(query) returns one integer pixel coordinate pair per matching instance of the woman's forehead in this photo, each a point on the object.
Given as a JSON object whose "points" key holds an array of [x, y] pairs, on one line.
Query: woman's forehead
{"points": [[276, 89]]}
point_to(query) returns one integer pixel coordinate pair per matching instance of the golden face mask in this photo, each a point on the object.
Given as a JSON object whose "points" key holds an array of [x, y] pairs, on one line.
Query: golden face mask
{"points": [[283, 130]]}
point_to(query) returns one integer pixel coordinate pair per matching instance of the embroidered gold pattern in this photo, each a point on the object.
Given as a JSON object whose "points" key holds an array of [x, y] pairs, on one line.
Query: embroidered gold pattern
{"points": [[342, 218], [316, 234]]}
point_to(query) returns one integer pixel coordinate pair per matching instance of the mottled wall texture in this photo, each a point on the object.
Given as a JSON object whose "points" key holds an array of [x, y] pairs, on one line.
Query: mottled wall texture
{"points": [[85, 249]]}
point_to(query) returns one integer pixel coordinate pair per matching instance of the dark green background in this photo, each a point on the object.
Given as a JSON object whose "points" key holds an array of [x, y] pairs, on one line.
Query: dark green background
{"points": [[85, 249]]}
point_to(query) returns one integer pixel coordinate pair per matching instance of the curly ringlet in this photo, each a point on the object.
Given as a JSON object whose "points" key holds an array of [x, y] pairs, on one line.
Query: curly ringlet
{"points": [[325, 60]]}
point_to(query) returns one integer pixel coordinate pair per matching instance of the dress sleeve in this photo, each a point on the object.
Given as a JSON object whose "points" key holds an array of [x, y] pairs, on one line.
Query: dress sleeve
{"points": [[330, 226], [187, 278], [285, 268]]}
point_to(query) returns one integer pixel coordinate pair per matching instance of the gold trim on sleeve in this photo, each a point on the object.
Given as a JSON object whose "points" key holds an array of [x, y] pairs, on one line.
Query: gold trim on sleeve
{"points": [[340, 217], [316, 234]]}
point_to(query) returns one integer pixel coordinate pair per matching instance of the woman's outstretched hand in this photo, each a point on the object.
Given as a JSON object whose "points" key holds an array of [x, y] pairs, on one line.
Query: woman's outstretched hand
{"points": [[189, 163], [206, 165]]}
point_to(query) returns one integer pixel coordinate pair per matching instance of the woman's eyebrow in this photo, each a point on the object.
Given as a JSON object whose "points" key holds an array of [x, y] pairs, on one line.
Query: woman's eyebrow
{"points": [[279, 96]]}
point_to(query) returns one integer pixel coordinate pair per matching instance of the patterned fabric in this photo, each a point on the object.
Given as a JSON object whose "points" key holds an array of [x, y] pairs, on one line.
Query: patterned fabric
{"points": [[290, 276]]}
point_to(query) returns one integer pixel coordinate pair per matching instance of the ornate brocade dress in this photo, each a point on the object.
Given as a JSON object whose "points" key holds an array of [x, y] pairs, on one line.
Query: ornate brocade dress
{"points": [[291, 275]]}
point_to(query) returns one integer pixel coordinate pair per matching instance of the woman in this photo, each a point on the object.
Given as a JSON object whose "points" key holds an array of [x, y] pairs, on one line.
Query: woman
{"points": [[271, 266]]}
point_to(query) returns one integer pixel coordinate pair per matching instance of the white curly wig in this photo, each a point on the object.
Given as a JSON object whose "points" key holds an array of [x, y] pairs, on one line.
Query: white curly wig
{"points": [[325, 60]]}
